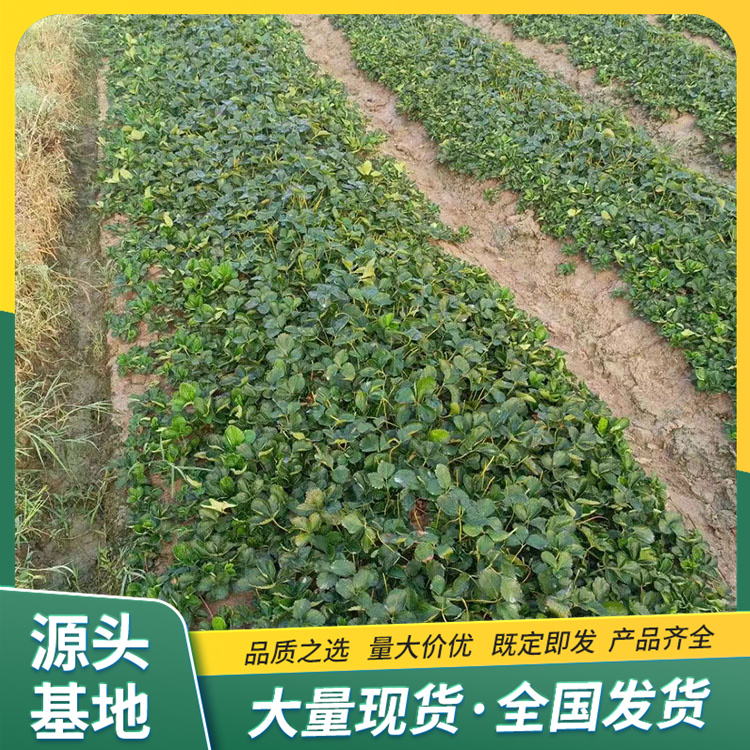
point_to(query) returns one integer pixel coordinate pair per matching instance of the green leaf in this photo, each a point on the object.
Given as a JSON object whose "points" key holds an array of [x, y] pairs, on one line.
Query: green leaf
{"points": [[386, 469], [443, 476], [343, 567], [234, 436], [352, 523], [556, 607], [600, 588], [445, 551], [340, 475], [536, 541], [395, 602], [643, 534], [187, 392], [406, 478], [485, 545], [615, 609], [438, 436], [489, 583], [425, 386], [620, 425], [560, 459], [510, 590], [315, 618], [377, 481]]}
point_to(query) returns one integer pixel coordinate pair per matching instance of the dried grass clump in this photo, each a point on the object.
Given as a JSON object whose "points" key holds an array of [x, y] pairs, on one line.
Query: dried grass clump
{"points": [[47, 65]]}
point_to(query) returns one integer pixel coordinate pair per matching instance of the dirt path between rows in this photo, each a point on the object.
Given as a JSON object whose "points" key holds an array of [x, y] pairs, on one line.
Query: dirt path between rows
{"points": [[676, 433], [680, 137]]}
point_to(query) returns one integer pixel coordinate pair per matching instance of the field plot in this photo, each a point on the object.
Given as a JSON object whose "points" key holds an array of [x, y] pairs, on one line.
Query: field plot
{"points": [[343, 424], [676, 432], [587, 174], [662, 71], [698, 26], [678, 135], [333, 398]]}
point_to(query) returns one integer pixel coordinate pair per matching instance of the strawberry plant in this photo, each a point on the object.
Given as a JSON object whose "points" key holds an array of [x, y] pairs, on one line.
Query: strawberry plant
{"points": [[589, 176], [659, 69], [348, 425], [698, 25]]}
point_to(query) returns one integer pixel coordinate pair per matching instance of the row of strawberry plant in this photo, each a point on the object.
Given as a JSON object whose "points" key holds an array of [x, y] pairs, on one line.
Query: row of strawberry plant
{"points": [[699, 26], [590, 177], [661, 70], [349, 425]]}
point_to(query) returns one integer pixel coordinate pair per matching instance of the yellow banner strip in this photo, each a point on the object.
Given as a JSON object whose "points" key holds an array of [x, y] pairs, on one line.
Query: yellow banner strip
{"points": [[472, 644]]}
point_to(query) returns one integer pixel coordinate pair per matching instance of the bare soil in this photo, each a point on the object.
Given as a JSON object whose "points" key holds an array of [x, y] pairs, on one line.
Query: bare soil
{"points": [[676, 433], [680, 137]]}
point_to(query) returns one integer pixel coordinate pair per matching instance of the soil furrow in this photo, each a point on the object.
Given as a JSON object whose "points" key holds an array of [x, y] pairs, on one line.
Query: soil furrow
{"points": [[680, 137], [676, 432]]}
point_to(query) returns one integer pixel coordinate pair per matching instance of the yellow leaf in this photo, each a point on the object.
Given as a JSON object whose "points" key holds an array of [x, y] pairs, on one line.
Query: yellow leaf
{"points": [[167, 219], [218, 505], [365, 168], [367, 272]]}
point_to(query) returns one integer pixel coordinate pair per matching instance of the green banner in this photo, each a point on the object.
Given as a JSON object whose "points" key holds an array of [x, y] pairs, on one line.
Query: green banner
{"points": [[664, 704], [99, 669]]}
